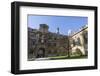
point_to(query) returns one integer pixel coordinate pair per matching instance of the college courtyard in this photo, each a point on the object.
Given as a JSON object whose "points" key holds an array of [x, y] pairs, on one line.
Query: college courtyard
{"points": [[46, 45]]}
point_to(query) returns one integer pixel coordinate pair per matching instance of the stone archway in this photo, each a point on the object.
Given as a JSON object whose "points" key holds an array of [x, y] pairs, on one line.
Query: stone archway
{"points": [[40, 53]]}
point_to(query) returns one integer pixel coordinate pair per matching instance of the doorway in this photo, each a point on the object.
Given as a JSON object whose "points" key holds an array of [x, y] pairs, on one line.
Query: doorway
{"points": [[41, 53]]}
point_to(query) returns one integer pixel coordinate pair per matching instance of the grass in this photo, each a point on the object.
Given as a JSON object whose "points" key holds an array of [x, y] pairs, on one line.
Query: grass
{"points": [[63, 57], [66, 57], [57, 57]]}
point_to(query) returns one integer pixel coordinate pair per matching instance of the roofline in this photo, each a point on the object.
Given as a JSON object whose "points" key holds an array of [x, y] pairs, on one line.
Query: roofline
{"points": [[79, 31]]}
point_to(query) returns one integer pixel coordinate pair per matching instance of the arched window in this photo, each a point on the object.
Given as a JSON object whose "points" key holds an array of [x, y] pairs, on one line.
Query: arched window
{"points": [[78, 41]]}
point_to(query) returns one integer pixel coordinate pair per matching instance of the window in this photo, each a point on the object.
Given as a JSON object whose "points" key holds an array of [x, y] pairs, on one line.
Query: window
{"points": [[54, 44], [78, 41], [73, 42], [33, 42]]}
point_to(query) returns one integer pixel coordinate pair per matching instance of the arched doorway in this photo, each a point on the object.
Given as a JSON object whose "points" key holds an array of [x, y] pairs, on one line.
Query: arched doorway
{"points": [[41, 53]]}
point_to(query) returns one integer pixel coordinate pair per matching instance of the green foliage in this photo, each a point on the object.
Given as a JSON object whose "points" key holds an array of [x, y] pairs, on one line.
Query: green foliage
{"points": [[77, 53]]}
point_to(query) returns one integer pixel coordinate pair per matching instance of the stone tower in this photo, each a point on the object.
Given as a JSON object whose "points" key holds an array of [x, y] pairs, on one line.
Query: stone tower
{"points": [[44, 28]]}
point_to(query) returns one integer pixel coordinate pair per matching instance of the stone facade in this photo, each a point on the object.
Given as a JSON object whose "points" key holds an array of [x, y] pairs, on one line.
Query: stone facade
{"points": [[79, 41], [42, 43]]}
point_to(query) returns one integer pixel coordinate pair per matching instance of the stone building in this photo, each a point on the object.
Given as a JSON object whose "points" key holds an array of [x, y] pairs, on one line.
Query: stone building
{"points": [[43, 43], [79, 41]]}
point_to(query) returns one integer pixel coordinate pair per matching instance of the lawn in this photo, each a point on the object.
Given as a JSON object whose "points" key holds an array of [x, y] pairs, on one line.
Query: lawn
{"points": [[66, 57]]}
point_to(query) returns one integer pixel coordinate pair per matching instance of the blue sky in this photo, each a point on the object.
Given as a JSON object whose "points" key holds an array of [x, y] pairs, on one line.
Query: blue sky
{"points": [[65, 23]]}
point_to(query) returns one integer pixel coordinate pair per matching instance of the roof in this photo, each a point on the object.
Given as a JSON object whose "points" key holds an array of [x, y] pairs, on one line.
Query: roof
{"points": [[79, 31]]}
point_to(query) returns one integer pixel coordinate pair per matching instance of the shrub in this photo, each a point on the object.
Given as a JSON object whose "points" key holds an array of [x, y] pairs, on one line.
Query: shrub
{"points": [[77, 53]]}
